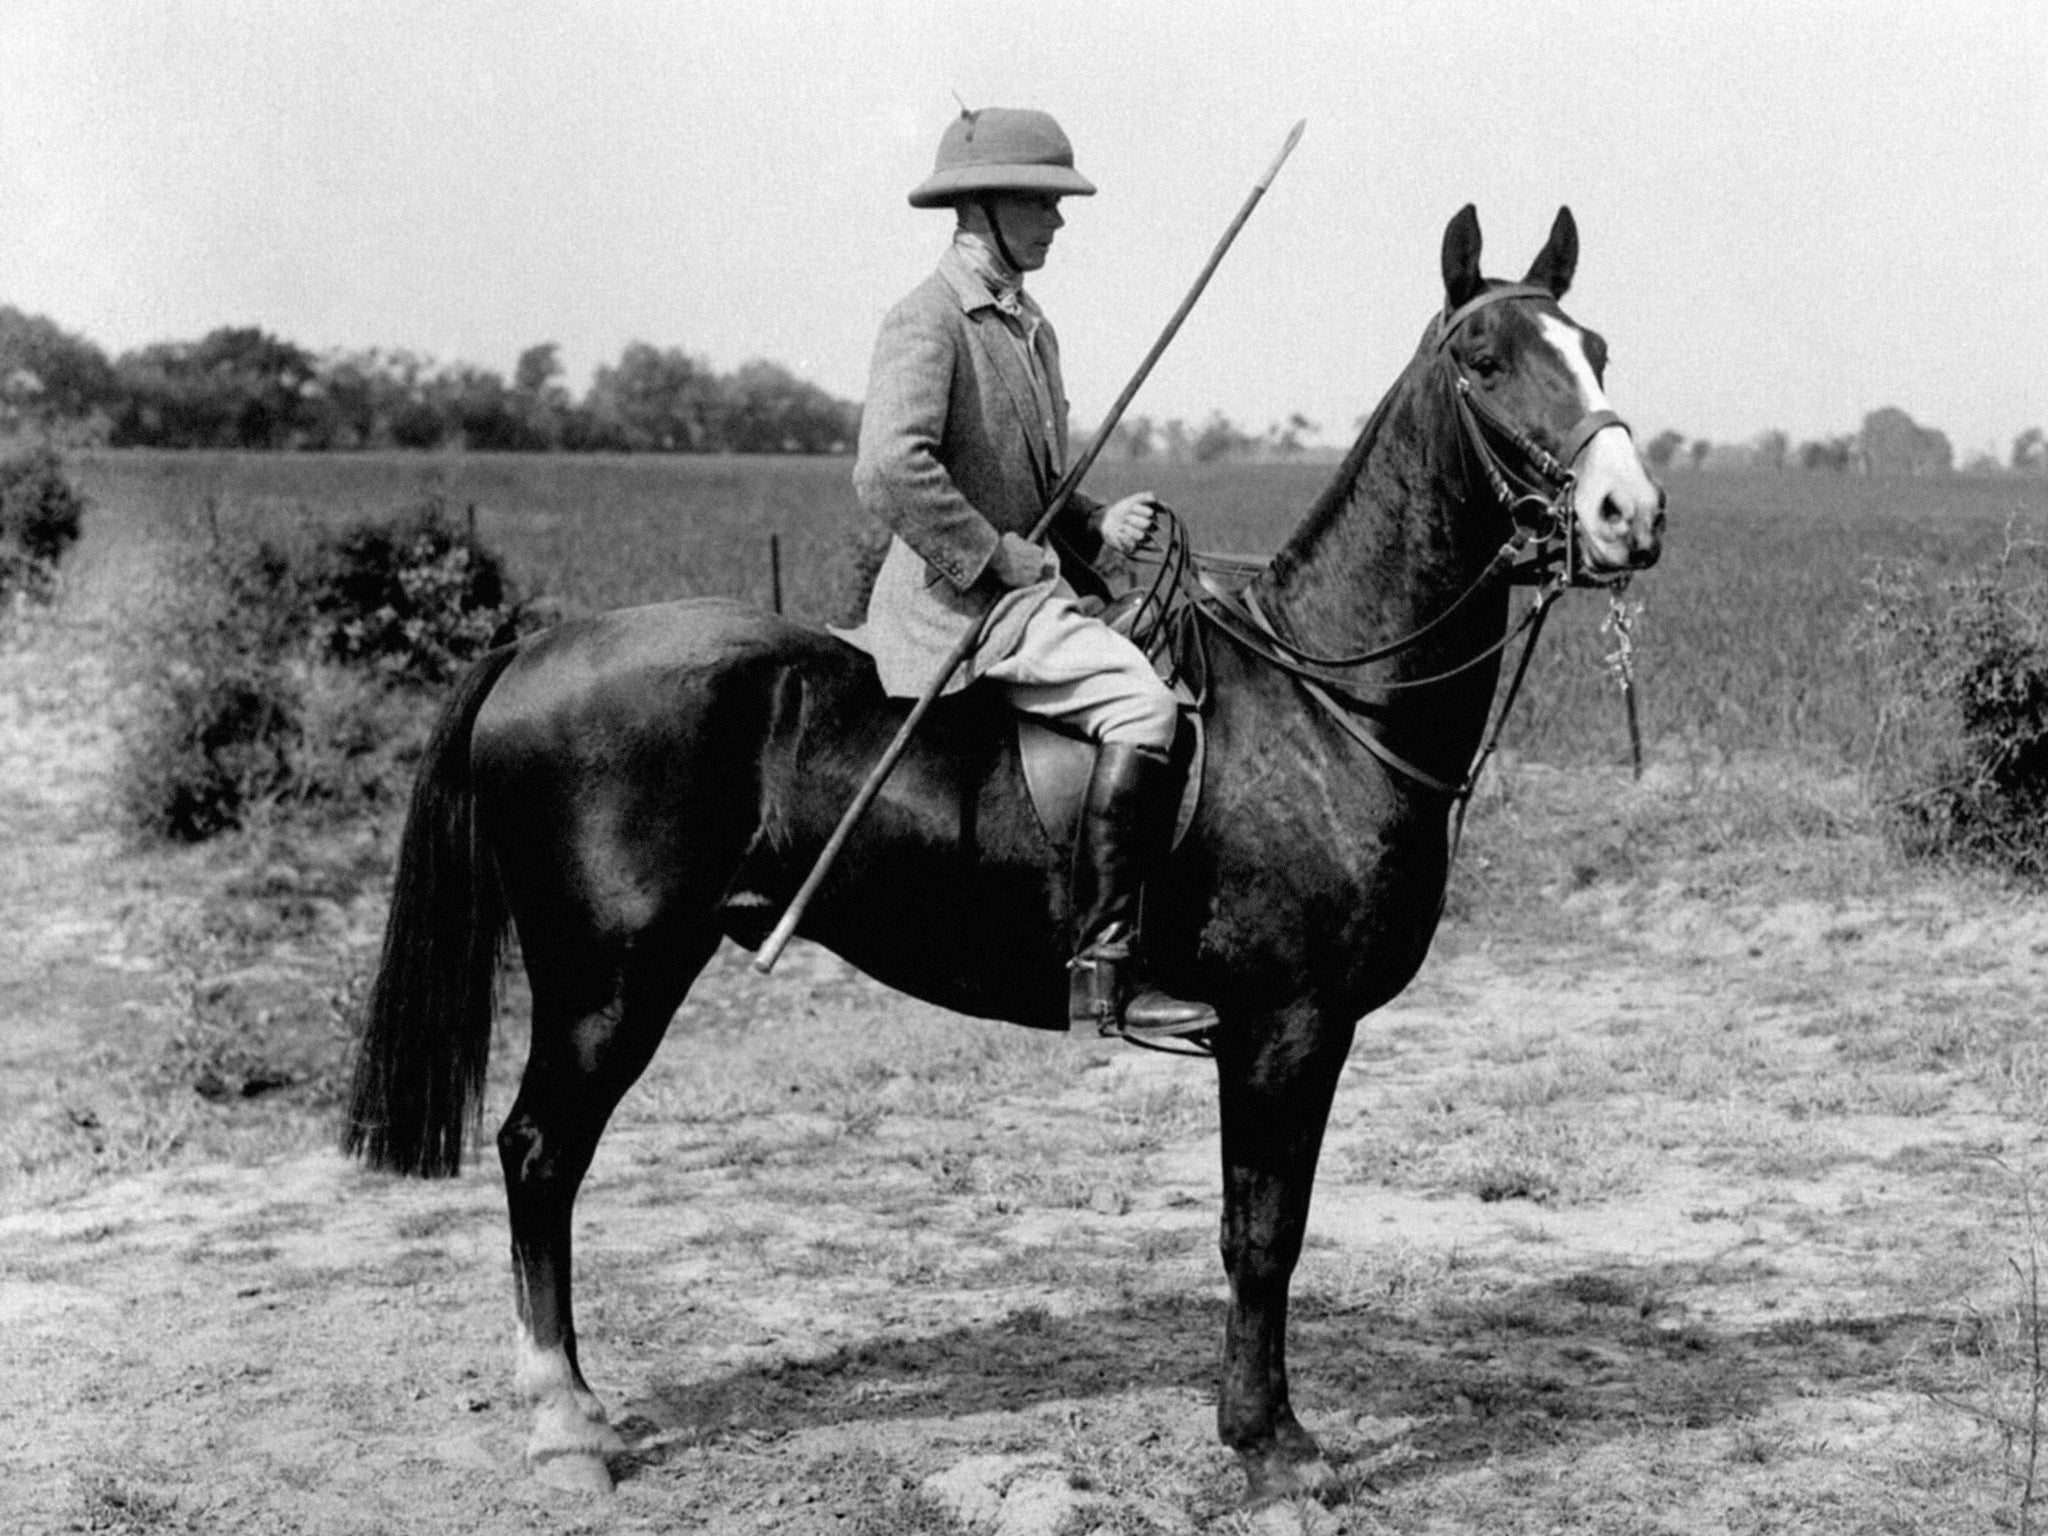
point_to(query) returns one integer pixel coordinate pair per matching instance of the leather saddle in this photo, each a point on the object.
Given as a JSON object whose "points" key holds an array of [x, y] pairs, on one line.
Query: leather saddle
{"points": [[1058, 763]]}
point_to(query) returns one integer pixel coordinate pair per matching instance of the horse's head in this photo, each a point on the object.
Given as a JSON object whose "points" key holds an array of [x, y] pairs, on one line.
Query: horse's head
{"points": [[1533, 378]]}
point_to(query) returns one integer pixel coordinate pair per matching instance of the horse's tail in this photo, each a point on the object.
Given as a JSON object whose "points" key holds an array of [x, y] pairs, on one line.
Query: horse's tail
{"points": [[426, 1033]]}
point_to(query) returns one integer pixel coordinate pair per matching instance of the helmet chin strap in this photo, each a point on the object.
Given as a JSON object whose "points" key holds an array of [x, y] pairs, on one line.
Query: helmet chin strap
{"points": [[995, 229]]}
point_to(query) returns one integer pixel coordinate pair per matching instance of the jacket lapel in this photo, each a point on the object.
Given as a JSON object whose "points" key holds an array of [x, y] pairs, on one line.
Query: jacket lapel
{"points": [[998, 349], [1049, 355]]}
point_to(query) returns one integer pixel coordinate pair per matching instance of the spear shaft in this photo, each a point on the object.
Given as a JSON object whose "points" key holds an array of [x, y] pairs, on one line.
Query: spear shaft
{"points": [[785, 929]]}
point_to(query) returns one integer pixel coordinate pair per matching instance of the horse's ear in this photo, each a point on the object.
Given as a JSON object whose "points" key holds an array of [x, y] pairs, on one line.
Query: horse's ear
{"points": [[1461, 257], [1559, 258]]}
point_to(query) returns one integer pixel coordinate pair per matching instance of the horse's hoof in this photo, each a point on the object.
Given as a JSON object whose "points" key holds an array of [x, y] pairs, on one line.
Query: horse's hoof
{"points": [[569, 1445], [1272, 1479], [573, 1471], [573, 1424]]}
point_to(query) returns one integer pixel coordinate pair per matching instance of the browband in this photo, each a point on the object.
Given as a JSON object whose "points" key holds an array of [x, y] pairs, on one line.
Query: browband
{"points": [[1584, 429], [1448, 323]]}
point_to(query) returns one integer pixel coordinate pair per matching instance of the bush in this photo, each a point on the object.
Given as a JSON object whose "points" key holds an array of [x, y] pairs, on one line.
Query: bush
{"points": [[215, 745], [416, 599], [217, 723], [263, 676], [40, 517], [1962, 745]]}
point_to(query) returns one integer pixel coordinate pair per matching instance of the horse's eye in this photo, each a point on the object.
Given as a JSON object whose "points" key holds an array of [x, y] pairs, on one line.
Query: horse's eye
{"points": [[1486, 365]]}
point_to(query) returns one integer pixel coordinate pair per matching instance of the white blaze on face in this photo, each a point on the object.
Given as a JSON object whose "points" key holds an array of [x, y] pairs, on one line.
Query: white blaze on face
{"points": [[1570, 344], [1615, 502]]}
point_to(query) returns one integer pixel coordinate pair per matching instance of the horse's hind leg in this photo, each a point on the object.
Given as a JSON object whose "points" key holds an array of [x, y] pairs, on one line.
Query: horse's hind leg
{"points": [[596, 1024]]}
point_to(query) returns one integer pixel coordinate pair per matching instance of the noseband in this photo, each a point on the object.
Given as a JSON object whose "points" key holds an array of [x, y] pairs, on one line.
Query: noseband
{"points": [[1536, 486]]}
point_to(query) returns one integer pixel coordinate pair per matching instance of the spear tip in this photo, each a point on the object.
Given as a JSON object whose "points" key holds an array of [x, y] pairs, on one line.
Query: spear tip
{"points": [[1293, 138]]}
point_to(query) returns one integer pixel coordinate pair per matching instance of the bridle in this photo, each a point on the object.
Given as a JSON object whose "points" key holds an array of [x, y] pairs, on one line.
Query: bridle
{"points": [[1533, 486]]}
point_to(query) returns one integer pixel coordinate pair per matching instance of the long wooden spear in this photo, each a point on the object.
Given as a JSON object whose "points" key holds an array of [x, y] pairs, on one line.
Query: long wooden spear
{"points": [[779, 939]]}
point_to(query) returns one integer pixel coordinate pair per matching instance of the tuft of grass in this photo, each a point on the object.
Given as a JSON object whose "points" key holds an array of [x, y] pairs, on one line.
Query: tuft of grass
{"points": [[1997, 1367], [116, 1506], [1397, 1275], [1547, 1160]]}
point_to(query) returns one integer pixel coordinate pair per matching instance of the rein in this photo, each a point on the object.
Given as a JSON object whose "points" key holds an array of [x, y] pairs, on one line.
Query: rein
{"points": [[1244, 620]]}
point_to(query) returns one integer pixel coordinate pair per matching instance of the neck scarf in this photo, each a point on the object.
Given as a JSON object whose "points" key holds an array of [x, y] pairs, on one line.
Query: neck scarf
{"points": [[1003, 281]]}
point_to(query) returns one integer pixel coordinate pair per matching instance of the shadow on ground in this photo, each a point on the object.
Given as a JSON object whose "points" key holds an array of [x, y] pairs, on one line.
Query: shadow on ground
{"points": [[1591, 1357]]}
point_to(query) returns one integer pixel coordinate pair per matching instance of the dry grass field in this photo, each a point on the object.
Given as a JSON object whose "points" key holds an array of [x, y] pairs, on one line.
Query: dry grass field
{"points": [[1695, 1186]]}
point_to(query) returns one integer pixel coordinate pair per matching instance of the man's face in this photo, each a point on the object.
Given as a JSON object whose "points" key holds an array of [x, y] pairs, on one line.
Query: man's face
{"points": [[1028, 221]]}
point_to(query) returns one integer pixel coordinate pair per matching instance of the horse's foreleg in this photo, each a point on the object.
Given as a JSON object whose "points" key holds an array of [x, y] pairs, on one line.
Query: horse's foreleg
{"points": [[581, 1063], [1275, 1102]]}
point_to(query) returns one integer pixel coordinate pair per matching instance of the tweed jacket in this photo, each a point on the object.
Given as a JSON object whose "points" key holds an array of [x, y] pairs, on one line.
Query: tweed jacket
{"points": [[955, 453]]}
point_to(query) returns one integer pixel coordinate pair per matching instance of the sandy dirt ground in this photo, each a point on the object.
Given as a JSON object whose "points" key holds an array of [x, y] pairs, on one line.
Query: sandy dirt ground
{"points": [[1681, 1193]]}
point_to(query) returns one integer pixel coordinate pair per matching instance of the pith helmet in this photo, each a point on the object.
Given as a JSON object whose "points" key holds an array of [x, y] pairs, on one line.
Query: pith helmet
{"points": [[1001, 149]]}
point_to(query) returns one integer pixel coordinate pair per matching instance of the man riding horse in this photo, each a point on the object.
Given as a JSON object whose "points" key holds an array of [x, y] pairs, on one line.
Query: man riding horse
{"points": [[962, 441]]}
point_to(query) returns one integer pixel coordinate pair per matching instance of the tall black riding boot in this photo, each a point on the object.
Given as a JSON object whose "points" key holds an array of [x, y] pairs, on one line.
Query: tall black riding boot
{"points": [[1126, 832]]}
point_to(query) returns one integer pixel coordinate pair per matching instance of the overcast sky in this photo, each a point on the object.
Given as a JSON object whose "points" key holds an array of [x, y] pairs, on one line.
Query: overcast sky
{"points": [[1790, 214]]}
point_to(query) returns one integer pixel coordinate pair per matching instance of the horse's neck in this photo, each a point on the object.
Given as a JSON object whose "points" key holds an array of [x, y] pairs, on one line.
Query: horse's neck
{"points": [[1393, 543]]}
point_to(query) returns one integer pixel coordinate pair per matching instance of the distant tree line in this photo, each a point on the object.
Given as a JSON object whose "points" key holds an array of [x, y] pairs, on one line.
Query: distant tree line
{"points": [[241, 387], [1216, 439], [1889, 442]]}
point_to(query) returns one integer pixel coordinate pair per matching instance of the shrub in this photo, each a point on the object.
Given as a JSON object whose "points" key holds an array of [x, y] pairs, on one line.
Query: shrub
{"points": [[215, 744], [263, 676], [217, 721], [415, 598], [1962, 746], [40, 516]]}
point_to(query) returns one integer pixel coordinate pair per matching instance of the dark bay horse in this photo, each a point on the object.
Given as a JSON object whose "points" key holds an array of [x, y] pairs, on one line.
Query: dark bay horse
{"points": [[629, 789]]}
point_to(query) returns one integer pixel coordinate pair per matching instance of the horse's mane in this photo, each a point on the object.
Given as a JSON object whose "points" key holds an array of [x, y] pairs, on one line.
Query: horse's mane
{"points": [[1337, 497]]}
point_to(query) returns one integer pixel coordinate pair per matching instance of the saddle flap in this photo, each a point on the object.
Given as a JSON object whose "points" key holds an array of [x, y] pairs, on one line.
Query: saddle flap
{"points": [[1158, 618], [1058, 764]]}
